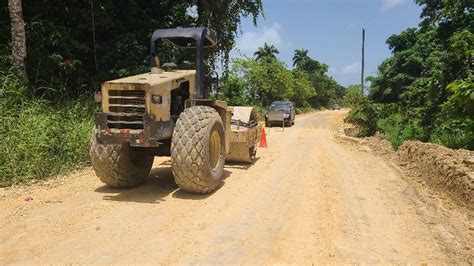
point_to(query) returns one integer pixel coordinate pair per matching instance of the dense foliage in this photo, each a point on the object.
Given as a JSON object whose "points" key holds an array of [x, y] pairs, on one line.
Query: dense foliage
{"points": [[72, 46], [425, 90], [261, 80]]}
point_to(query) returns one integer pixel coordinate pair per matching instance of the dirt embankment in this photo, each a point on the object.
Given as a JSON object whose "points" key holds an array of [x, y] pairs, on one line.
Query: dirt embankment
{"points": [[447, 170], [443, 168]]}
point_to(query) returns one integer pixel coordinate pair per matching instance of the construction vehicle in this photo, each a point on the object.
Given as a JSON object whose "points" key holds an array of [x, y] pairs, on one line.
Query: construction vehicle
{"points": [[166, 113]]}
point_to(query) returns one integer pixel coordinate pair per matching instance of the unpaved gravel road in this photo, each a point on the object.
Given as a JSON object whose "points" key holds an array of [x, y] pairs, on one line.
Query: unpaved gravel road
{"points": [[309, 198]]}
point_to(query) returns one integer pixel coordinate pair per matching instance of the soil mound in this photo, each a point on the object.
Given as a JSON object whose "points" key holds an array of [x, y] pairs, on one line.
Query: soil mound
{"points": [[444, 168]]}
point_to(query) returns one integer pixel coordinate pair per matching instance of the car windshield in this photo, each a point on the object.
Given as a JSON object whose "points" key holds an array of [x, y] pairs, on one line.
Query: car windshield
{"points": [[279, 106]]}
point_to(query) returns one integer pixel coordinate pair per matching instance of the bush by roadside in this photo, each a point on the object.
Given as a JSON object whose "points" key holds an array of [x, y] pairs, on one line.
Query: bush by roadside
{"points": [[41, 138], [398, 126]]}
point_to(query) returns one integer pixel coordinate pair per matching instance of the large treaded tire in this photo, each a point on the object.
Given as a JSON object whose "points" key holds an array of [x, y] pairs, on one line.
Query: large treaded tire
{"points": [[191, 152], [119, 165]]}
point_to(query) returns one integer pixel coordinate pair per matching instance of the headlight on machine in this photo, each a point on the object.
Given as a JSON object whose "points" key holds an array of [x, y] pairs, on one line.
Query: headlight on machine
{"points": [[286, 115]]}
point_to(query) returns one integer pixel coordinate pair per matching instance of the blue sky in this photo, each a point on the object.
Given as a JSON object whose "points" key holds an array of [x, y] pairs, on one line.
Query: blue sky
{"points": [[331, 31]]}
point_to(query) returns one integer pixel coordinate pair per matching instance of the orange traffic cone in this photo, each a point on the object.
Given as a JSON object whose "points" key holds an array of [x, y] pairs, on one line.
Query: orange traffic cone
{"points": [[263, 139]]}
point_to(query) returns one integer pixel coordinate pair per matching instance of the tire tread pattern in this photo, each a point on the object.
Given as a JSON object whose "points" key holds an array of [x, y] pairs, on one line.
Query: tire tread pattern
{"points": [[188, 149], [117, 165]]}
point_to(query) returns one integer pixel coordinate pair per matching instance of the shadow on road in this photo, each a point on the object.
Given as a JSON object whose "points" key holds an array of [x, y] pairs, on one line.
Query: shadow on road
{"points": [[156, 187], [181, 194], [241, 166], [276, 129]]}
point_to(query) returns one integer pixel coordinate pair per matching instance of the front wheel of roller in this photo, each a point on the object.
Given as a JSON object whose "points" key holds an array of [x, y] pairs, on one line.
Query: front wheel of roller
{"points": [[119, 165], [198, 150]]}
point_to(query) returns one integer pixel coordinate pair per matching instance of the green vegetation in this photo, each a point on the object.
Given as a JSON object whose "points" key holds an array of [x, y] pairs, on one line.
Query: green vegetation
{"points": [[425, 90], [352, 96], [261, 80], [40, 138], [66, 50]]}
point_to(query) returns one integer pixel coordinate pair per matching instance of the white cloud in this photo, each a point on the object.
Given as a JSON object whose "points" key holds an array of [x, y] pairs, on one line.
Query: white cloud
{"points": [[347, 75], [249, 42], [389, 4], [351, 69]]}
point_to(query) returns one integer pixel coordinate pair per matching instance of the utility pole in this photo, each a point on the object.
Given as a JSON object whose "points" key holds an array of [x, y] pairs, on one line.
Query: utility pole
{"points": [[362, 65]]}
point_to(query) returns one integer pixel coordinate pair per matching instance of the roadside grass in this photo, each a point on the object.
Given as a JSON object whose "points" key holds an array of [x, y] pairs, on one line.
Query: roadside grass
{"points": [[40, 138]]}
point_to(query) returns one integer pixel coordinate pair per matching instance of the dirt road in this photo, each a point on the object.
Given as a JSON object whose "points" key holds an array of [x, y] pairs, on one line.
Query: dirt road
{"points": [[309, 198]]}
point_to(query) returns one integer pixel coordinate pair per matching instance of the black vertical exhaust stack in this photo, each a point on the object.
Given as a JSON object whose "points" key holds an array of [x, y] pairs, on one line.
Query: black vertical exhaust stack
{"points": [[194, 38]]}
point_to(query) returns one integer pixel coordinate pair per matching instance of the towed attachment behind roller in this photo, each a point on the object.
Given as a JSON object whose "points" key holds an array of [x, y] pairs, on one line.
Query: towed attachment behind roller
{"points": [[245, 134]]}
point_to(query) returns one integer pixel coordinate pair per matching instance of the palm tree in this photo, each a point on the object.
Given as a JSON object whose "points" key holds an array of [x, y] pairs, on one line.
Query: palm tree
{"points": [[300, 55], [267, 51]]}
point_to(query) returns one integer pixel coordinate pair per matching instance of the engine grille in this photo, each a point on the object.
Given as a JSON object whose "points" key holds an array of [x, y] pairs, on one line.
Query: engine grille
{"points": [[126, 108]]}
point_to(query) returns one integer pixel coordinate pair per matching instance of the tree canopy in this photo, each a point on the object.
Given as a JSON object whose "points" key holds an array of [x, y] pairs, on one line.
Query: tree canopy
{"points": [[74, 45]]}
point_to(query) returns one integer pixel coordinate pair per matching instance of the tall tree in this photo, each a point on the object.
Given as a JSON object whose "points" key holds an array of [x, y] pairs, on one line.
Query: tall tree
{"points": [[18, 41], [300, 55], [267, 51]]}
